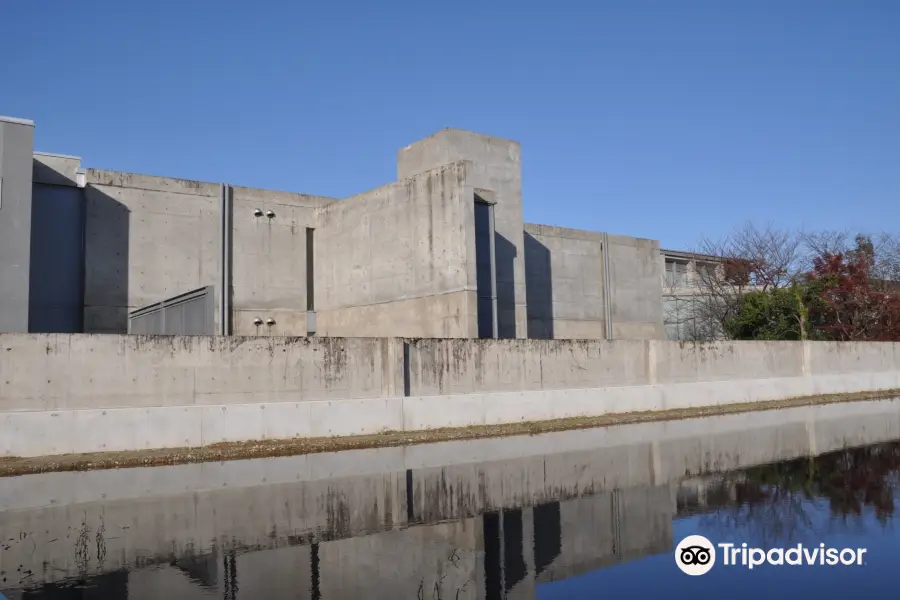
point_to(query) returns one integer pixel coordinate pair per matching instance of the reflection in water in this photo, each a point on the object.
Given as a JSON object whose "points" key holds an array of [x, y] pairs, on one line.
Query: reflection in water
{"points": [[440, 522], [783, 503]]}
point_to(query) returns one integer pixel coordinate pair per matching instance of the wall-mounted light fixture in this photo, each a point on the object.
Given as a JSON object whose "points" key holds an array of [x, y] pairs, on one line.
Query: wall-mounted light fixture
{"points": [[257, 213], [257, 321], [270, 214], [270, 322]]}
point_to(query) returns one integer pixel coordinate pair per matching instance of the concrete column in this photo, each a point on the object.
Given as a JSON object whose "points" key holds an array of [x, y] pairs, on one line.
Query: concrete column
{"points": [[16, 165]]}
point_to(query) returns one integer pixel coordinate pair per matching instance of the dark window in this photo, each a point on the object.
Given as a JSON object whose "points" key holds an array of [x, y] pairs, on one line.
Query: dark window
{"points": [[310, 280]]}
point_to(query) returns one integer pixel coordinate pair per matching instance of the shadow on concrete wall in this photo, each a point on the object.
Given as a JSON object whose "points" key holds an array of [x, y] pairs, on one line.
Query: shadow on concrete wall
{"points": [[107, 233], [505, 256], [56, 282], [538, 289]]}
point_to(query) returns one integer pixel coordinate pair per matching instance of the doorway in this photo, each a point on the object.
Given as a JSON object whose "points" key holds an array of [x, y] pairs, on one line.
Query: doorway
{"points": [[485, 268]]}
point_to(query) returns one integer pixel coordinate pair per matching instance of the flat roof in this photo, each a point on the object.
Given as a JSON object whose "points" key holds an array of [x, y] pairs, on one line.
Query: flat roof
{"points": [[689, 255], [17, 121], [55, 155]]}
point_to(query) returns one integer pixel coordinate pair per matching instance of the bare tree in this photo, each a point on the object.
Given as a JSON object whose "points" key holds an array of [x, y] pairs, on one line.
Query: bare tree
{"points": [[753, 257], [822, 243], [716, 275], [886, 264], [883, 249]]}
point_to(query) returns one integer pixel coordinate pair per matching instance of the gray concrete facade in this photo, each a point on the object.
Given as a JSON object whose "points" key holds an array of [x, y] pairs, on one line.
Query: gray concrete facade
{"points": [[571, 294], [16, 151], [496, 175], [405, 259]]}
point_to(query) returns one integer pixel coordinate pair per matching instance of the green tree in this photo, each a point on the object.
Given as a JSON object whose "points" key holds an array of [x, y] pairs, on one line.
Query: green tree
{"points": [[776, 314]]}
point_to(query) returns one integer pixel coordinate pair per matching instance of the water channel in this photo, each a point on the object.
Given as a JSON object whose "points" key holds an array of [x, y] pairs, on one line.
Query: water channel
{"points": [[582, 514]]}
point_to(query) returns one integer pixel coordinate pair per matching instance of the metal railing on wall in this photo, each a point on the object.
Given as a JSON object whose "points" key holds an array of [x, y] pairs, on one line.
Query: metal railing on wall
{"points": [[191, 313]]}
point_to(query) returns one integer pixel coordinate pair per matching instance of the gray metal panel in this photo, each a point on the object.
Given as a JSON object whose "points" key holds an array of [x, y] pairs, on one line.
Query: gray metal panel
{"points": [[174, 316], [192, 313], [57, 260]]}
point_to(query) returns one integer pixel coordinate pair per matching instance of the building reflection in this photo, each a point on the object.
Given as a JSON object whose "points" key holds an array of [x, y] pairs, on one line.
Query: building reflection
{"points": [[490, 530]]}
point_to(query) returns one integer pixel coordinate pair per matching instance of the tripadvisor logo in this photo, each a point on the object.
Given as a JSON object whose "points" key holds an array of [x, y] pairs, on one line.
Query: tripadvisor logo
{"points": [[696, 555]]}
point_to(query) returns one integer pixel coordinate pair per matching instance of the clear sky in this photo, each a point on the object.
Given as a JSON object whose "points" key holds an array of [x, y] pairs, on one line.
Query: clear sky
{"points": [[662, 119]]}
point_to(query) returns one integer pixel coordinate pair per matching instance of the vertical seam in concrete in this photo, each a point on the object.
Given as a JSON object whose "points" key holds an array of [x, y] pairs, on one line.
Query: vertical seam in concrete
{"points": [[651, 362], [811, 438], [607, 293], [806, 367], [541, 349], [68, 395], [655, 463]]}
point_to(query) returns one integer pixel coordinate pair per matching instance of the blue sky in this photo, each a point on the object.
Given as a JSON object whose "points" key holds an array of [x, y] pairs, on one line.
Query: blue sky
{"points": [[660, 119]]}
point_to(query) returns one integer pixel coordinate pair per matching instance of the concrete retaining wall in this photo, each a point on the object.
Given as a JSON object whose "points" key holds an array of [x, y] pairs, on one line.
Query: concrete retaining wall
{"points": [[86, 393]]}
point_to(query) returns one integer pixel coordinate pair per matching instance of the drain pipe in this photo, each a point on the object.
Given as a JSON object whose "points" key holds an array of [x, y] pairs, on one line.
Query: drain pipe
{"points": [[225, 259], [607, 293]]}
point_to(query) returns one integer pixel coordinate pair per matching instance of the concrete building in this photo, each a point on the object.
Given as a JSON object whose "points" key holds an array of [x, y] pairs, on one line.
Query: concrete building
{"points": [[688, 307], [441, 252]]}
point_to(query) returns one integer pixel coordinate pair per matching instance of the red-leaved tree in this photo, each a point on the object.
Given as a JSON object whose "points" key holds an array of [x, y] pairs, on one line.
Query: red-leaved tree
{"points": [[848, 303]]}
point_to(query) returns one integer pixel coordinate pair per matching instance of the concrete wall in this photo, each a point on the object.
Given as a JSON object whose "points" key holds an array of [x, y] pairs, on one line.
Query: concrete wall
{"points": [[441, 367], [496, 174], [151, 238], [399, 260], [213, 384], [146, 239], [136, 392], [635, 288], [615, 487], [269, 260], [16, 147], [564, 283]]}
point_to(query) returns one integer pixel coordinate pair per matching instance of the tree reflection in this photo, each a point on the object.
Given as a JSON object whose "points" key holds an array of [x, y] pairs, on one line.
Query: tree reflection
{"points": [[779, 503]]}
